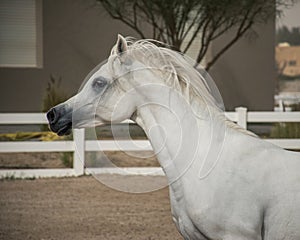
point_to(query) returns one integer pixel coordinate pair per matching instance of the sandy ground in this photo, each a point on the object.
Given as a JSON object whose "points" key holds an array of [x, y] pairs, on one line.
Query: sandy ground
{"points": [[82, 208]]}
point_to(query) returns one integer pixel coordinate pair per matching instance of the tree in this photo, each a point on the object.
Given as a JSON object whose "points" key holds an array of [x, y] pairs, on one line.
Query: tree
{"points": [[283, 34], [177, 21]]}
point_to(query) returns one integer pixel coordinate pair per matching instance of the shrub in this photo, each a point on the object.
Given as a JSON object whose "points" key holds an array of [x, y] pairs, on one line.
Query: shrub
{"points": [[67, 159], [54, 94], [287, 130]]}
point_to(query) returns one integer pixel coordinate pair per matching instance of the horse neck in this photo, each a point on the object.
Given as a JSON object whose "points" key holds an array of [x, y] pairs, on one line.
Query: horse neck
{"points": [[176, 134]]}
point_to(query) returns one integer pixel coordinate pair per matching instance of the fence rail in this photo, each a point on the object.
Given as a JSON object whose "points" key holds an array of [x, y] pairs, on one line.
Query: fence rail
{"points": [[79, 145]]}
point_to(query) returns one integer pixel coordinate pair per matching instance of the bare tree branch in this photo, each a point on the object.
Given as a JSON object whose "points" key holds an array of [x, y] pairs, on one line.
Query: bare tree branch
{"points": [[182, 21]]}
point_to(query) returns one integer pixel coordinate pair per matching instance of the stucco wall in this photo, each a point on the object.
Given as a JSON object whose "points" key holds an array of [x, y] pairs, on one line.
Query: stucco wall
{"points": [[77, 35]]}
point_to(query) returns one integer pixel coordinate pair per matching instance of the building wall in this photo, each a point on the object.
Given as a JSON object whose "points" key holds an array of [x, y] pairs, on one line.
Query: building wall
{"points": [[288, 60], [77, 35], [245, 74]]}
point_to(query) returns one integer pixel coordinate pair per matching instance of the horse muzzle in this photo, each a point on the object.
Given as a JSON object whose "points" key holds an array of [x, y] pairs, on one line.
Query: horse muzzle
{"points": [[60, 120]]}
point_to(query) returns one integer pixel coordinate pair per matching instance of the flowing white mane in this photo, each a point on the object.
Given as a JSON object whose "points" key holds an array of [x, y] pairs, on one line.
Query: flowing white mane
{"points": [[178, 72]]}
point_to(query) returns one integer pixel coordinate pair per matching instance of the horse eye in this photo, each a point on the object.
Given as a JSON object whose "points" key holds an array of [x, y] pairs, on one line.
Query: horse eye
{"points": [[99, 82]]}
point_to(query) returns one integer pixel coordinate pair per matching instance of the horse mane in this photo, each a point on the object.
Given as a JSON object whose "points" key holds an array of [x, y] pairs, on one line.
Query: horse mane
{"points": [[180, 73]]}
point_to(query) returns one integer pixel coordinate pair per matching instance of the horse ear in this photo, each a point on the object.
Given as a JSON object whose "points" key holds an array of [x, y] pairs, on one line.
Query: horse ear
{"points": [[121, 45]]}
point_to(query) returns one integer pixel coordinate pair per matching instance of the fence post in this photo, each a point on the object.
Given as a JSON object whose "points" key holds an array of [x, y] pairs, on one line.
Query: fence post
{"points": [[242, 116], [79, 141]]}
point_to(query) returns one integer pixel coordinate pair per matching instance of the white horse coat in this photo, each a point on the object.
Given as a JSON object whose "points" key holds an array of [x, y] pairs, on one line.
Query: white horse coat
{"points": [[225, 183]]}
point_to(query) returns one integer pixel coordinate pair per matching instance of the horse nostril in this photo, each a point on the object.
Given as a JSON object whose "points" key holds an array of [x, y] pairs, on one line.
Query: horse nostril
{"points": [[52, 115]]}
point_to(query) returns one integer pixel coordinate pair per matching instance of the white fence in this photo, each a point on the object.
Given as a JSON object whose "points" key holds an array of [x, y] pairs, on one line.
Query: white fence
{"points": [[79, 144]]}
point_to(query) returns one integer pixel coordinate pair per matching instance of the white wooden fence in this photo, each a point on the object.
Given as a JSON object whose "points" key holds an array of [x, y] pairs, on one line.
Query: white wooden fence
{"points": [[79, 144]]}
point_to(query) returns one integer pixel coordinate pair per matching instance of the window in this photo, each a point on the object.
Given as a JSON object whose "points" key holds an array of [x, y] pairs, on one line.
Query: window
{"points": [[21, 33], [292, 63]]}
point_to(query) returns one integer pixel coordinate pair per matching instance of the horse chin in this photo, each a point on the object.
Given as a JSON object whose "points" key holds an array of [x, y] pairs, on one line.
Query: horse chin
{"points": [[62, 130], [65, 131]]}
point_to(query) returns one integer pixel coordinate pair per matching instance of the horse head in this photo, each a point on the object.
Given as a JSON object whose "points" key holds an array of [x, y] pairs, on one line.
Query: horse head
{"points": [[106, 96]]}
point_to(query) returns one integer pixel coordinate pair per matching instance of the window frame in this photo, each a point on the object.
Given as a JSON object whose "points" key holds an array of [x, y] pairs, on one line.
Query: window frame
{"points": [[38, 41]]}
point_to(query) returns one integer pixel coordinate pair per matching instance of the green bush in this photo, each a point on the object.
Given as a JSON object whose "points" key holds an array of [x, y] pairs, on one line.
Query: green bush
{"points": [[287, 130], [67, 159], [54, 94]]}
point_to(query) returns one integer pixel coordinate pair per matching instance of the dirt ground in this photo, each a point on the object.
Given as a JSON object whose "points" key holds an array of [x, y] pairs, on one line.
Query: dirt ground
{"points": [[82, 208]]}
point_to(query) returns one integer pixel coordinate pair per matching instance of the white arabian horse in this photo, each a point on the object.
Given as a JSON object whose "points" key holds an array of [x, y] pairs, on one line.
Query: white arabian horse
{"points": [[225, 182]]}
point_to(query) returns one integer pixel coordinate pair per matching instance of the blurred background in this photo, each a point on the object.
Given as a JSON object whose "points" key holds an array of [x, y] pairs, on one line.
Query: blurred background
{"points": [[63, 40], [251, 49], [47, 47]]}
